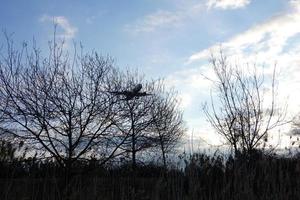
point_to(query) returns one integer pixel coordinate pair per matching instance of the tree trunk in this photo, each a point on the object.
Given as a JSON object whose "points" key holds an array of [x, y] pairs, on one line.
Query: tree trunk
{"points": [[67, 179], [133, 153]]}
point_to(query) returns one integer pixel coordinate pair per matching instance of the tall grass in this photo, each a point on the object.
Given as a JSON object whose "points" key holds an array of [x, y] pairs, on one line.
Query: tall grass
{"points": [[202, 177]]}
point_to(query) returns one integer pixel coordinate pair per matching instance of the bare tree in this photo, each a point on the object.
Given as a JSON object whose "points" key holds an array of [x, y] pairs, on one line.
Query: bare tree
{"points": [[148, 115], [58, 103], [240, 113], [168, 124], [134, 112]]}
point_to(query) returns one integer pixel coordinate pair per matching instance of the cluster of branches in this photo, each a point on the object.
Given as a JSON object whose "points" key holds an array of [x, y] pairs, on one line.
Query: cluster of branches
{"points": [[61, 105], [239, 112]]}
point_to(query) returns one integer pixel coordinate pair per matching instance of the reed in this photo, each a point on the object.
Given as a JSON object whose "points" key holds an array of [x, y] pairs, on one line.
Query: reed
{"points": [[202, 177]]}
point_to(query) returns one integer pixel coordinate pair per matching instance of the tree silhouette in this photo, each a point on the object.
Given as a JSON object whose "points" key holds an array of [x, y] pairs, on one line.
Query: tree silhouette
{"points": [[57, 103], [134, 114], [167, 124], [239, 112]]}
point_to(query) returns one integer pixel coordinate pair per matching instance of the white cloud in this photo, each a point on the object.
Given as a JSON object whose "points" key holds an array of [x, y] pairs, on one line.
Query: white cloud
{"points": [[185, 100], [196, 79], [165, 18], [62, 22], [227, 4], [276, 40], [156, 20], [264, 41], [184, 12]]}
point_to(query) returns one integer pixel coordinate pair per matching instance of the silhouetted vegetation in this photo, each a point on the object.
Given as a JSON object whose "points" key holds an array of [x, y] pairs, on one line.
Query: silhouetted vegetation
{"points": [[239, 112], [80, 128], [201, 177]]}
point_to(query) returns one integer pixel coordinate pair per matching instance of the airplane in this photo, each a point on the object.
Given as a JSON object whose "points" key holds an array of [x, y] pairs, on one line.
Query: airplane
{"points": [[130, 94]]}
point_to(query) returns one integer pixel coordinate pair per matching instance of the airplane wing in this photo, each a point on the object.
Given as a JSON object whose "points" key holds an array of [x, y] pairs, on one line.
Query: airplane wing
{"points": [[140, 94], [126, 93], [115, 92]]}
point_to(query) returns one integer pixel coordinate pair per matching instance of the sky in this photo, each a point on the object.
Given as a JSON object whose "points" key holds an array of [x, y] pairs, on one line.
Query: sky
{"points": [[173, 39]]}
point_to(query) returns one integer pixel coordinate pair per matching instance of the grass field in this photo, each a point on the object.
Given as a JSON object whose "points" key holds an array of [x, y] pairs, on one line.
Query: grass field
{"points": [[203, 177]]}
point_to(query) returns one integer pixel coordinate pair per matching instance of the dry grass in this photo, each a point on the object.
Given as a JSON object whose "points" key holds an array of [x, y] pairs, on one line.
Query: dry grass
{"points": [[266, 177]]}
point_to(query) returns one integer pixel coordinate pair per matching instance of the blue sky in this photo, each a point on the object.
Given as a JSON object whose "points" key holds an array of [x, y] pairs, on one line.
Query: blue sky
{"points": [[171, 39]]}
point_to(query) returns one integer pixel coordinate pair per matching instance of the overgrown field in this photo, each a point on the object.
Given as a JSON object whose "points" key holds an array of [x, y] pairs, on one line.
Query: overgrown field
{"points": [[202, 177]]}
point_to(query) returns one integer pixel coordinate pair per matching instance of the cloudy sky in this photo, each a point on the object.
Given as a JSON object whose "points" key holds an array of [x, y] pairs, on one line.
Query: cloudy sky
{"points": [[172, 39]]}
